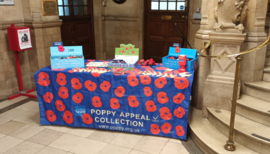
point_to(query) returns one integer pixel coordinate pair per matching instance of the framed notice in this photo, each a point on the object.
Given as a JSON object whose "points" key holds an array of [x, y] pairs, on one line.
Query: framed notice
{"points": [[6, 2], [49, 7], [24, 37]]}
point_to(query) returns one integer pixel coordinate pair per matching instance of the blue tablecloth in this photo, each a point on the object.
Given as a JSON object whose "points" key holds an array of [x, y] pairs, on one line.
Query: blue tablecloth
{"points": [[132, 102]]}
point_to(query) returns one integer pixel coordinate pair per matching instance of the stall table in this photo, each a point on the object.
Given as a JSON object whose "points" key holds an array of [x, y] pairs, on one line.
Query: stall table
{"points": [[133, 102]]}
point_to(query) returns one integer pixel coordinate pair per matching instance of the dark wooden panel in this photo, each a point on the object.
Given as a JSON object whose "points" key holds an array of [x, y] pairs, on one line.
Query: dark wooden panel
{"points": [[173, 32], [82, 29], [157, 29]]}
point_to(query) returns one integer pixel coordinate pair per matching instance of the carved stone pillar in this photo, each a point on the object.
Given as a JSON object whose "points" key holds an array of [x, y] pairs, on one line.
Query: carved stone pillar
{"points": [[218, 87]]}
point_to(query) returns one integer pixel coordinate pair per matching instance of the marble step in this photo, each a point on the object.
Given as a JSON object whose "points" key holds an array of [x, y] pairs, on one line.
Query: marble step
{"points": [[259, 89], [267, 61], [208, 138], [248, 133], [266, 75], [254, 109]]}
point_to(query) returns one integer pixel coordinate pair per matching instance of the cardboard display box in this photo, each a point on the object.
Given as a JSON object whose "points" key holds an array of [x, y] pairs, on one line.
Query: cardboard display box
{"points": [[175, 52], [59, 53]]}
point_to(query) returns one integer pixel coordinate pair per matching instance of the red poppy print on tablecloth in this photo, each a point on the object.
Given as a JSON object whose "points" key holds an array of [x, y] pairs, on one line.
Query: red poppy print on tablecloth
{"points": [[132, 101], [63, 92], [91, 60], [162, 98], [147, 91], [50, 115], [68, 117], [60, 69], [87, 119], [177, 99], [60, 105], [132, 80], [179, 112], [145, 79], [165, 113], [95, 74], [166, 128], [161, 68], [181, 83], [179, 131], [155, 129], [71, 71], [114, 103], [105, 86], [61, 79], [76, 84], [91, 86], [77, 98], [48, 97], [160, 82], [43, 79], [120, 91], [150, 106], [96, 101]]}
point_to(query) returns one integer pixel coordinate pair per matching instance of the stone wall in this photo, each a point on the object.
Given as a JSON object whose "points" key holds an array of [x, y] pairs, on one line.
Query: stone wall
{"points": [[44, 30]]}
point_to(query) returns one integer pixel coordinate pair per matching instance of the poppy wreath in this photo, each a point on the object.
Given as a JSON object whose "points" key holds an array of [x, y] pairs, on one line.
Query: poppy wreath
{"points": [[145, 79], [76, 84], [155, 129], [179, 112], [177, 99], [181, 83], [132, 80], [114, 103], [150, 106], [95, 74], [120, 91], [162, 98], [48, 97], [91, 86], [63, 92], [147, 91], [96, 101], [179, 131], [50, 115], [105, 86], [61, 79], [132, 101], [43, 79], [68, 117], [165, 113], [87, 119], [161, 68], [60, 105], [77, 98], [166, 128], [160, 82]]}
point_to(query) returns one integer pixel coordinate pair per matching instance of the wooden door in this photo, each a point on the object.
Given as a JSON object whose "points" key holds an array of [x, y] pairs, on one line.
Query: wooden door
{"points": [[159, 24], [78, 27]]}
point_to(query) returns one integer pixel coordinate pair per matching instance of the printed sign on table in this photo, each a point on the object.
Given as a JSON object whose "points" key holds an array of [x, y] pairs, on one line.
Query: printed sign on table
{"points": [[24, 39]]}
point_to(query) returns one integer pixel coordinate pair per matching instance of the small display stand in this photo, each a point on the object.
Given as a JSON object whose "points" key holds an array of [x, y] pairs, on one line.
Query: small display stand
{"points": [[20, 40], [127, 56]]}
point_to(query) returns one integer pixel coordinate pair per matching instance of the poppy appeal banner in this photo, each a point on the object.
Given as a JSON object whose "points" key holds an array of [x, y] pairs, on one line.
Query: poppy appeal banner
{"points": [[133, 102]]}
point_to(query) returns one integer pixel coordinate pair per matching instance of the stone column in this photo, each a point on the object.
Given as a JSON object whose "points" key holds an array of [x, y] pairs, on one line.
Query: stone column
{"points": [[218, 88]]}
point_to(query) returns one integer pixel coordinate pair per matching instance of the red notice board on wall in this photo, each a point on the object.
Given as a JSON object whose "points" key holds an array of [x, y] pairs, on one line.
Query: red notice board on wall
{"points": [[19, 38]]}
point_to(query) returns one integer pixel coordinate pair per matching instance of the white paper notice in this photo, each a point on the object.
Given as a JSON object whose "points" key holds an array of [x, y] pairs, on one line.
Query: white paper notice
{"points": [[24, 39]]}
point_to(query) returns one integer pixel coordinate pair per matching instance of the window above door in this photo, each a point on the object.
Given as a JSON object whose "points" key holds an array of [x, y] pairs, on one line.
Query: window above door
{"points": [[73, 7], [168, 5]]}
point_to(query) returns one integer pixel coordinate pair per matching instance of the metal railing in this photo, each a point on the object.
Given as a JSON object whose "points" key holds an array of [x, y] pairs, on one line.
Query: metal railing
{"points": [[238, 56]]}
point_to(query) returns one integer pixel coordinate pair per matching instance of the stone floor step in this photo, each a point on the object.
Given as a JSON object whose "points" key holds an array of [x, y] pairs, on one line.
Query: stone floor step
{"points": [[248, 133], [267, 61], [208, 138], [259, 89], [255, 109]]}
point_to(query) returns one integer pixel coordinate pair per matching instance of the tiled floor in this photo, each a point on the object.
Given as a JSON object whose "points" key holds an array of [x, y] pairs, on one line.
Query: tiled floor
{"points": [[20, 133]]}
